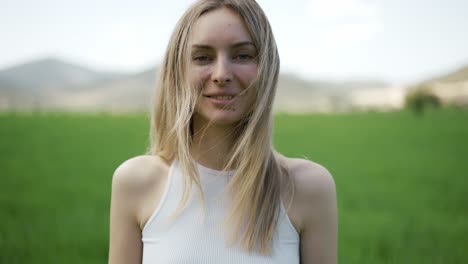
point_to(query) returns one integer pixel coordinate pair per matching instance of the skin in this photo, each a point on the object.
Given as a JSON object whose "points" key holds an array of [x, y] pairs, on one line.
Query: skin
{"points": [[223, 62], [221, 65]]}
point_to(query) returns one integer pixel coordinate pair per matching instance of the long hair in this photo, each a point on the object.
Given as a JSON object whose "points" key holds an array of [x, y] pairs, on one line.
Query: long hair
{"points": [[255, 188]]}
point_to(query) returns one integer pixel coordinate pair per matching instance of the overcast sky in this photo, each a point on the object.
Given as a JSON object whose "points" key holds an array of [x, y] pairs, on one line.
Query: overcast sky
{"points": [[398, 41]]}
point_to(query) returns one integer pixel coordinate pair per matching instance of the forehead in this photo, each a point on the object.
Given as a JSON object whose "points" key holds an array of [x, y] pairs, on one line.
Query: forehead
{"points": [[218, 27]]}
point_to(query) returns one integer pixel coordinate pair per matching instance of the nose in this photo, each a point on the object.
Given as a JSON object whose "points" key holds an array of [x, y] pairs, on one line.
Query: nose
{"points": [[222, 73]]}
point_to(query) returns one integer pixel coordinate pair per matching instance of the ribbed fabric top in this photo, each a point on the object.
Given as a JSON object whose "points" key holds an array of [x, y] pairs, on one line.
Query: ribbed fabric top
{"points": [[194, 238]]}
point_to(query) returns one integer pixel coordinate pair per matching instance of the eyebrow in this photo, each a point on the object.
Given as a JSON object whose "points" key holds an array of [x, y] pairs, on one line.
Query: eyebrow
{"points": [[236, 45]]}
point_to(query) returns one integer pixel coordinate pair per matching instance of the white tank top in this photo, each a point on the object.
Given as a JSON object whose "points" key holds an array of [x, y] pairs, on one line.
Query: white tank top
{"points": [[192, 238]]}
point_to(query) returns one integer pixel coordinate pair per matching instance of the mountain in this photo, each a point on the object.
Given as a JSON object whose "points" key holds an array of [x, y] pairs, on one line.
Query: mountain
{"points": [[51, 73], [33, 84], [450, 88], [53, 84], [458, 75], [129, 93]]}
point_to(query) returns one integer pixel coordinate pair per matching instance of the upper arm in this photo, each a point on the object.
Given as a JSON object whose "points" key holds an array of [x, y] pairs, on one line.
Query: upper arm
{"points": [[317, 198], [125, 244]]}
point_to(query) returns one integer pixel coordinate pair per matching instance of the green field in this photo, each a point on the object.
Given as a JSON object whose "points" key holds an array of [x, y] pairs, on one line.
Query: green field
{"points": [[401, 182]]}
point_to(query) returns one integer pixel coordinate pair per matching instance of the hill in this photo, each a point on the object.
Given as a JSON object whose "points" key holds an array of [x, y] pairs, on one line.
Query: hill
{"points": [[54, 84], [459, 75], [451, 88], [51, 73]]}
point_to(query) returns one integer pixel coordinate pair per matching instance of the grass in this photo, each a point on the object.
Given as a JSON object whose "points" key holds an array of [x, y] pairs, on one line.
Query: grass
{"points": [[401, 181]]}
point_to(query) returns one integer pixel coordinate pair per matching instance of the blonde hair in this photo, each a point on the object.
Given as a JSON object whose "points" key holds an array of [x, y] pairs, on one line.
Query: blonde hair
{"points": [[258, 173]]}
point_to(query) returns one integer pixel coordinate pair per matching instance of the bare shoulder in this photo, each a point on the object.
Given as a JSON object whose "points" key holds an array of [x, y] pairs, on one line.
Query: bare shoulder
{"points": [[310, 178], [137, 185], [138, 173], [139, 170], [314, 193], [133, 184]]}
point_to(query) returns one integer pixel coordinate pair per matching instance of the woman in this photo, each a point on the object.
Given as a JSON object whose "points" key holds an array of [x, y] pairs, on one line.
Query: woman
{"points": [[211, 188]]}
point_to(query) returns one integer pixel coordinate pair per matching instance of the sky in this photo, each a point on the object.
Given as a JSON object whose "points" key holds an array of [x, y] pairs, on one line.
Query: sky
{"points": [[396, 41]]}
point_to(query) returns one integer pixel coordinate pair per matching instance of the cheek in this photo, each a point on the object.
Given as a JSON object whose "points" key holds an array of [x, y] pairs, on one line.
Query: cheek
{"points": [[198, 76], [246, 74]]}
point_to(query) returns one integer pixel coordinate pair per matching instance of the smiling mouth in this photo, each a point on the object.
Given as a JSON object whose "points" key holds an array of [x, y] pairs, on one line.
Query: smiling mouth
{"points": [[221, 100], [221, 97]]}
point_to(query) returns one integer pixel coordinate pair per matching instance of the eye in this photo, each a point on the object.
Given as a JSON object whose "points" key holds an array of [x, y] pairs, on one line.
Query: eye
{"points": [[243, 57], [201, 59]]}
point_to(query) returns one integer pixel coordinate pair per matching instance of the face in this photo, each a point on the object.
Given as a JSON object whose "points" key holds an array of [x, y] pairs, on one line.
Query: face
{"points": [[223, 64]]}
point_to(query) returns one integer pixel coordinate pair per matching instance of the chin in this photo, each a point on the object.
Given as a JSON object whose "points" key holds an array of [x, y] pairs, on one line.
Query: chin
{"points": [[225, 120], [220, 118]]}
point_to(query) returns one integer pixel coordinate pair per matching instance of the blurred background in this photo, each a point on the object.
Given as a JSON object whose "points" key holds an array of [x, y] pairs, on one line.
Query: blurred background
{"points": [[374, 90]]}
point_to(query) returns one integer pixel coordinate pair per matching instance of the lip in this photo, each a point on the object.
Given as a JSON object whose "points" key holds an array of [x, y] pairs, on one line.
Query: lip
{"points": [[221, 101]]}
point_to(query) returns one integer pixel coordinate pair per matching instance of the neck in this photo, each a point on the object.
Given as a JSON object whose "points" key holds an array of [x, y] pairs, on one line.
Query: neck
{"points": [[211, 145]]}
